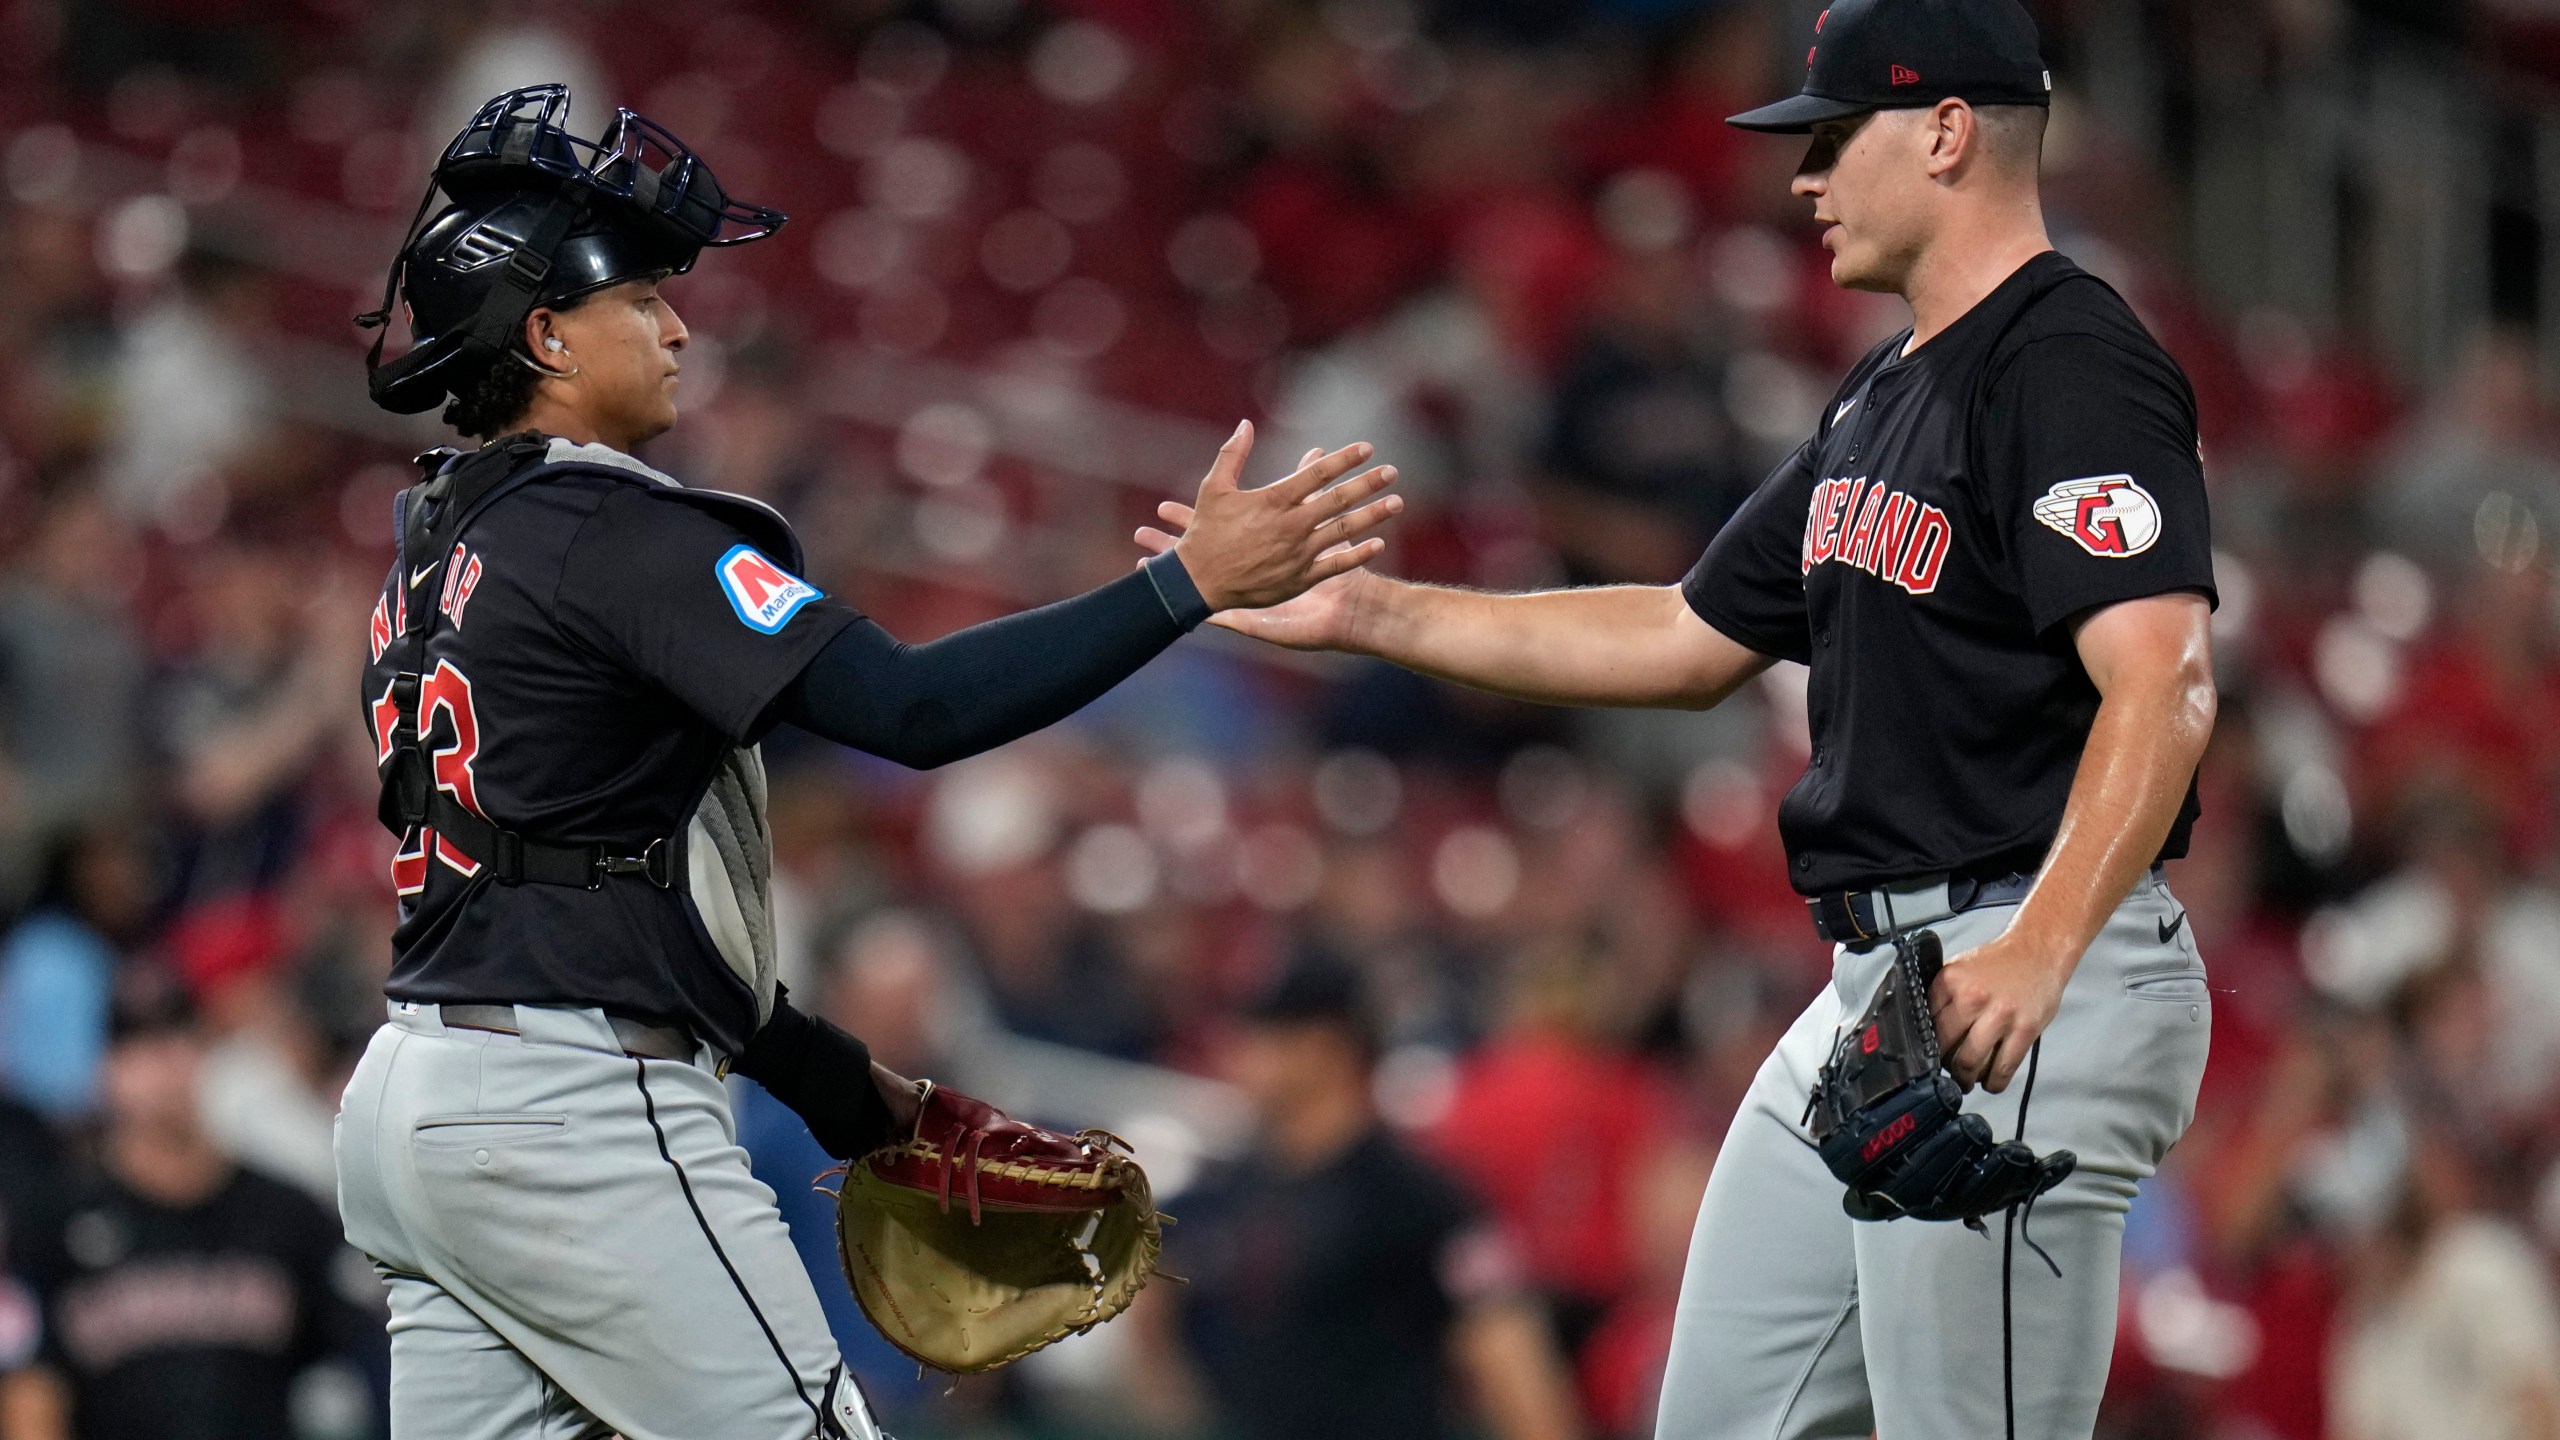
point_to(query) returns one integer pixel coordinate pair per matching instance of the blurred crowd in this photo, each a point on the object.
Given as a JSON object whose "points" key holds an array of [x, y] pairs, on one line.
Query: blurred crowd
{"points": [[1427, 1009]]}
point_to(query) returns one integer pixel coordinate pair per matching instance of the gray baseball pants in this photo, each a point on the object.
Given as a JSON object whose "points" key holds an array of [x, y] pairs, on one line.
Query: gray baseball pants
{"points": [[1797, 1323], [573, 1244]]}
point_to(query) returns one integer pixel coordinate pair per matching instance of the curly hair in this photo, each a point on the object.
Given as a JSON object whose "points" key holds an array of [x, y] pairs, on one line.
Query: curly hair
{"points": [[489, 405]]}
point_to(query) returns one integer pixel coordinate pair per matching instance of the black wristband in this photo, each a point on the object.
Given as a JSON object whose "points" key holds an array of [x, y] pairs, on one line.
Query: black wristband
{"points": [[1175, 588], [824, 1075]]}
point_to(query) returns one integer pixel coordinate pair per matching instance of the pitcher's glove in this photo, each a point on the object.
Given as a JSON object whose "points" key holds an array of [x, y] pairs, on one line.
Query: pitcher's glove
{"points": [[979, 1239], [1888, 1119]]}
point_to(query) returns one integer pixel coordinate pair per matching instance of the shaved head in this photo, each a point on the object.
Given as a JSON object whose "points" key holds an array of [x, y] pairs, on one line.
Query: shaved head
{"points": [[2013, 136]]}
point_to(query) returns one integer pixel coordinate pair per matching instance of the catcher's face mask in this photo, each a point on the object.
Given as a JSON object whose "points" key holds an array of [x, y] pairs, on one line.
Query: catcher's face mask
{"points": [[667, 188], [539, 216]]}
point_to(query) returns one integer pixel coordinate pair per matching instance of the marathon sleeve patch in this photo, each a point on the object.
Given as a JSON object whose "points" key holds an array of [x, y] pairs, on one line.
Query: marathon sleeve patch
{"points": [[661, 589], [764, 594], [2106, 515]]}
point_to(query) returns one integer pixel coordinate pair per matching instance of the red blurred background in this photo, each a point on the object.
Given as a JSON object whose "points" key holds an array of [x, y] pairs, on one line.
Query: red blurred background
{"points": [[1043, 254]]}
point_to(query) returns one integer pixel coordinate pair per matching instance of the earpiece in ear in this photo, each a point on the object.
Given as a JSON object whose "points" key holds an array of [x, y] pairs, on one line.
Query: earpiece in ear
{"points": [[552, 342]]}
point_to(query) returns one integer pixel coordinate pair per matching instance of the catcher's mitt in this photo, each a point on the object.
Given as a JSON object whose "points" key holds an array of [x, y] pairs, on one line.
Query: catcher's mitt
{"points": [[1889, 1121], [981, 1239]]}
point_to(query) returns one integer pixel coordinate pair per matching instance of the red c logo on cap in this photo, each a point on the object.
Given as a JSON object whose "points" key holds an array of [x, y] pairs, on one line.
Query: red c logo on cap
{"points": [[1905, 75]]}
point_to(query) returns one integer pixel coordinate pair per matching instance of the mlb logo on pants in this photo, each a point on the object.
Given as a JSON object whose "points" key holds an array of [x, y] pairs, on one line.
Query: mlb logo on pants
{"points": [[764, 594]]}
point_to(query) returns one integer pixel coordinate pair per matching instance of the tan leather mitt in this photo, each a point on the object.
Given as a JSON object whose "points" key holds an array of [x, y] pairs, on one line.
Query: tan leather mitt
{"points": [[981, 1239]]}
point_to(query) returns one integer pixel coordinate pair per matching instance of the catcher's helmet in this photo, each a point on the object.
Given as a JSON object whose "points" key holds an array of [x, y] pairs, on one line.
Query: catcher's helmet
{"points": [[539, 216]]}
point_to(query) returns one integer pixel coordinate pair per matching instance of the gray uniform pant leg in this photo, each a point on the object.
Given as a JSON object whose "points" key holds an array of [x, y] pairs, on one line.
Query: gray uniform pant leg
{"points": [[575, 1245], [1796, 1323], [1766, 1341], [453, 1376]]}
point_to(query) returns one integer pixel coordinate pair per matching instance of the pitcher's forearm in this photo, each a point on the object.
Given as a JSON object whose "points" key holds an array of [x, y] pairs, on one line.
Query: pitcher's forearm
{"points": [[1621, 645], [2143, 748], [2132, 779]]}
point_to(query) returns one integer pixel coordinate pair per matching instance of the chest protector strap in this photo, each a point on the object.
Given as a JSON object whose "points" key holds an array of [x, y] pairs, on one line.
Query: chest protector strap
{"points": [[431, 517]]}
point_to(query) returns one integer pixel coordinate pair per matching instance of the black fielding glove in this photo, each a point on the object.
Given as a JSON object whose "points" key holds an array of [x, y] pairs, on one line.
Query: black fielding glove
{"points": [[1889, 1122], [825, 1076]]}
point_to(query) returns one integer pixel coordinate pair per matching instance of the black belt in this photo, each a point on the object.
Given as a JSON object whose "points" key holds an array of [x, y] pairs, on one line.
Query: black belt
{"points": [[1859, 917], [638, 1037], [1856, 917]]}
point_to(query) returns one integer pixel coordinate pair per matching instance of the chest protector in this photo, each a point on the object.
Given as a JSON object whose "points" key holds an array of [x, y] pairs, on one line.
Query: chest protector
{"points": [[721, 860]]}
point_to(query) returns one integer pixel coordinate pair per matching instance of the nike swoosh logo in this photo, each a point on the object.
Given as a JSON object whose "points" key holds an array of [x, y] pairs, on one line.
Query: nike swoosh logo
{"points": [[2169, 928], [417, 575], [1845, 407]]}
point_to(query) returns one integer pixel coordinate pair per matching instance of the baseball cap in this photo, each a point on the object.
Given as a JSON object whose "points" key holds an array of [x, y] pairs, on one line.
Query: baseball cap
{"points": [[1316, 987], [1903, 54]]}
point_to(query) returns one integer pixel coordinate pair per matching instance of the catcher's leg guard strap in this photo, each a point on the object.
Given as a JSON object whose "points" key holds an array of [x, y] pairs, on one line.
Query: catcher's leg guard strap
{"points": [[845, 1414]]}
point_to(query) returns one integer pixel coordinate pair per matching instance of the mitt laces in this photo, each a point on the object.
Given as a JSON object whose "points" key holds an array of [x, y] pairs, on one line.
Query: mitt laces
{"points": [[960, 1160], [1907, 957]]}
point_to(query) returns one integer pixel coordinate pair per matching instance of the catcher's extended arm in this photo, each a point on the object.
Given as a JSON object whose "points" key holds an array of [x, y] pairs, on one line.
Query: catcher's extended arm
{"points": [[979, 1239]]}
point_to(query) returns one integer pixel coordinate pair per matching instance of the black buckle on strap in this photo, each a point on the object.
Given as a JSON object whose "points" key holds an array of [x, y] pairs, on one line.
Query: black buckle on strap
{"points": [[1844, 916], [531, 269], [506, 857]]}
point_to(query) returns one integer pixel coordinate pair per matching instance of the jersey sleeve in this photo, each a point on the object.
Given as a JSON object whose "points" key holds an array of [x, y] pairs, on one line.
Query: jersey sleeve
{"points": [[2095, 474], [1750, 583], [684, 601]]}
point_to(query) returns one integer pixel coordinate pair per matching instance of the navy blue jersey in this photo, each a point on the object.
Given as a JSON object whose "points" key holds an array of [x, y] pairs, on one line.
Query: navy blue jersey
{"points": [[1927, 553], [190, 1321], [1323, 1300], [604, 641]]}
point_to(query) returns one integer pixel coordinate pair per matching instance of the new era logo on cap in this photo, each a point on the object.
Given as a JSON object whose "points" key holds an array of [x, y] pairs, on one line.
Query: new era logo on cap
{"points": [[1889, 54], [764, 594]]}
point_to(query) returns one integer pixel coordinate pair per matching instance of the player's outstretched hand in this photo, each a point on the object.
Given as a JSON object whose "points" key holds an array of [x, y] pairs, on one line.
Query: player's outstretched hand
{"points": [[1326, 616], [1248, 549]]}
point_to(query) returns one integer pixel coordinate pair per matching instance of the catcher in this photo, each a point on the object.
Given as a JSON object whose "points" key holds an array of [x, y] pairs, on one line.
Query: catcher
{"points": [[570, 665]]}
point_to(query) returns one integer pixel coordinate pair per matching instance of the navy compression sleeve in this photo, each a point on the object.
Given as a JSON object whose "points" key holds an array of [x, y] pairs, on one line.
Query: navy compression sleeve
{"points": [[824, 1075], [971, 691]]}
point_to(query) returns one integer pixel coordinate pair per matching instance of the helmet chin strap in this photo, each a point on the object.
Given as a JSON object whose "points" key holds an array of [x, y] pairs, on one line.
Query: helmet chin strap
{"points": [[519, 286]]}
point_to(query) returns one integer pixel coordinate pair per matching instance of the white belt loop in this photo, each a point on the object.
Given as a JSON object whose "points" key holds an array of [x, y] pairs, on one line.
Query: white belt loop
{"points": [[419, 1017], [583, 1027], [1910, 909]]}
